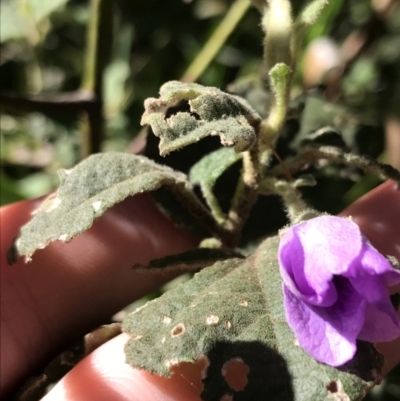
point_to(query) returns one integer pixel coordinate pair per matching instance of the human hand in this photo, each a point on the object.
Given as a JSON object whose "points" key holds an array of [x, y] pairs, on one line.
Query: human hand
{"points": [[70, 288]]}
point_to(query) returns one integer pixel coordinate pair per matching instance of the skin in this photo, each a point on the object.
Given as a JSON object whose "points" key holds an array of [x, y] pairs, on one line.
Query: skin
{"points": [[68, 289]]}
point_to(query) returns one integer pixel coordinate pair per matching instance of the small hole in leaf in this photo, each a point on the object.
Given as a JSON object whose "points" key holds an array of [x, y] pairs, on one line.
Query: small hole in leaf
{"points": [[182, 106], [332, 387], [235, 372], [178, 330]]}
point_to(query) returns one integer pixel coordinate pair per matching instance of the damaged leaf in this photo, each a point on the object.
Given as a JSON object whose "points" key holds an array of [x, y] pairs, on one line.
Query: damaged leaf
{"points": [[86, 192], [212, 112], [233, 310]]}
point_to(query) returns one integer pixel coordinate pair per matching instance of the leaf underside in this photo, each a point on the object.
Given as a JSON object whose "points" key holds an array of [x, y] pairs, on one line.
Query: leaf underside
{"points": [[234, 309], [86, 192], [212, 112]]}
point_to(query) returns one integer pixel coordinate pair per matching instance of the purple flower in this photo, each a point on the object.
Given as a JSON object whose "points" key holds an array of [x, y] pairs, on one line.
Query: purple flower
{"points": [[335, 288]]}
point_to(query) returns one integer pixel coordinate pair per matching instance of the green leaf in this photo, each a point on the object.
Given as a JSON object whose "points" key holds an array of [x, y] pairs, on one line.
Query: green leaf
{"points": [[208, 170], [15, 14], [233, 310], [86, 192], [212, 112]]}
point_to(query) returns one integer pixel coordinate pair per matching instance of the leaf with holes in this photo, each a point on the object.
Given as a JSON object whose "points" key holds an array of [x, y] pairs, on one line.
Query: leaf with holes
{"points": [[233, 311], [208, 170], [86, 192], [211, 112]]}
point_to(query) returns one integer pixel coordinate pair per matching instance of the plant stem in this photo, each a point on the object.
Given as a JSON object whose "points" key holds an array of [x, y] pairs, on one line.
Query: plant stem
{"points": [[311, 155], [246, 194], [216, 41], [214, 205], [99, 39], [200, 212], [280, 77], [296, 208]]}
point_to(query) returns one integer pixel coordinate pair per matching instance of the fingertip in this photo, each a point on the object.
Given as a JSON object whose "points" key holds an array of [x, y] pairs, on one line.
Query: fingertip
{"points": [[104, 376], [378, 215], [95, 268]]}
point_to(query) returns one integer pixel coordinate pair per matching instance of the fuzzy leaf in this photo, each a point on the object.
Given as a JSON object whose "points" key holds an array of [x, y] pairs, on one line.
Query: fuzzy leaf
{"points": [[212, 112], [208, 170], [86, 192], [233, 310]]}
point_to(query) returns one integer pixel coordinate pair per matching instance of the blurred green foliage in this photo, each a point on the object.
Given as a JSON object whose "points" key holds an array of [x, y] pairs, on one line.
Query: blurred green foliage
{"points": [[43, 46]]}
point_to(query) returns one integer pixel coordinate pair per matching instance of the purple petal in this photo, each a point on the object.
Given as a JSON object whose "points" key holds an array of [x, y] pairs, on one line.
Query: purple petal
{"points": [[310, 253], [327, 334], [379, 325], [375, 263], [371, 261], [291, 257], [372, 288], [392, 277], [381, 322]]}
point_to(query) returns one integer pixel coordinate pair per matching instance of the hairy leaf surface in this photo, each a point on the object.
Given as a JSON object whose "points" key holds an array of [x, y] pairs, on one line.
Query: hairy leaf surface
{"points": [[86, 192], [233, 310], [212, 112]]}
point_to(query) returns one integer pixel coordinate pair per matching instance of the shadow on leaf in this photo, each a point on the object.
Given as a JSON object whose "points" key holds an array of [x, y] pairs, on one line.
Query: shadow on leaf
{"points": [[267, 379]]}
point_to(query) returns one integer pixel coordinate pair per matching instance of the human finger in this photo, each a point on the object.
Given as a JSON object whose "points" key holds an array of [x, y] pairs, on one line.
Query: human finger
{"points": [[68, 289], [104, 376]]}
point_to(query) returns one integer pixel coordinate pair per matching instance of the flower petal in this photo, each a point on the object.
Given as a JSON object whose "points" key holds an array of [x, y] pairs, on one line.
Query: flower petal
{"points": [[374, 263], [311, 252], [327, 334], [379, 325], [369, 279]]}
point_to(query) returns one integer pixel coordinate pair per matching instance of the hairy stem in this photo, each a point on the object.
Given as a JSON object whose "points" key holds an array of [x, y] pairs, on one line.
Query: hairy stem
{"points": [[246, 194], [214, 205], [200, 212], [280, 80], [311, 155]]}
